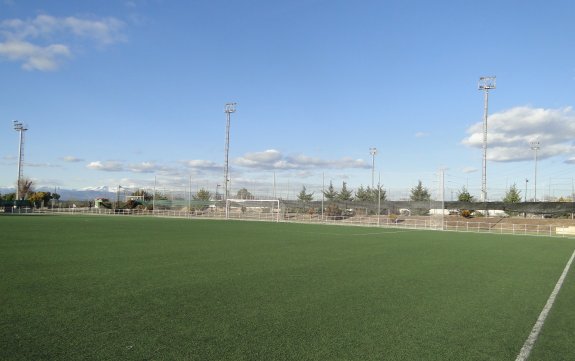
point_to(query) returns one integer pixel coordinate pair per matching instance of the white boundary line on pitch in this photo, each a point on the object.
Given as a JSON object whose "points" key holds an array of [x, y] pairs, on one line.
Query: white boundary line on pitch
{"points": [[383, 232], [530, 342]]}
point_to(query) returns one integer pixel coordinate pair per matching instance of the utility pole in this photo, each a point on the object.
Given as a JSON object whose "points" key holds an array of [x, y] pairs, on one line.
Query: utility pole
{"points": [[486, 83], [373, 152], [378, 198], [442, 195], [535, 147], [229, 109], [118, 197], [20, 127]]}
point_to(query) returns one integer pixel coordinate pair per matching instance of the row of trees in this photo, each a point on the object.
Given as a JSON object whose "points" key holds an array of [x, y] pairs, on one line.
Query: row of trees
{"points": [[201, 195], [512, 195], [362, 194], [36, 198], [26, 192], [418, 193]]}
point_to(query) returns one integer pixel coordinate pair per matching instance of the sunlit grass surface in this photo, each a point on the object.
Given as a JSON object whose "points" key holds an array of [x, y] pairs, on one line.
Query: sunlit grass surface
{"points": [[105, 288]]}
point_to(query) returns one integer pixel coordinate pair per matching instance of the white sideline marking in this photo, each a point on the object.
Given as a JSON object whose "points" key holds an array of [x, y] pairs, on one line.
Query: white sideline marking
{"points": [[530, 342], [382, 232]]}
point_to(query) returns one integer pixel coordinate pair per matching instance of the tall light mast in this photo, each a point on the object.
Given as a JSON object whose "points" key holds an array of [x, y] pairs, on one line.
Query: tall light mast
{"points": [[535, 147], [229, 109], [373, 152], [20, 127], [486, 83]]}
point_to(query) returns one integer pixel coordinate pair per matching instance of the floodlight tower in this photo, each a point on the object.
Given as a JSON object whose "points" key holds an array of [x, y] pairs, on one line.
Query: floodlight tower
{"points": [[486, 83], [229, 109], [535, 147], [20, 127], [373, 152]]}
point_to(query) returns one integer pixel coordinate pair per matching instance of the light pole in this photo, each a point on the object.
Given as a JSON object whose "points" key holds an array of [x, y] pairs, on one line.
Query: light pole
{"points": [[229, 109], [526, 181], [118, 197], [535, 147], [486, 83], [20, 127], [373, 152]]}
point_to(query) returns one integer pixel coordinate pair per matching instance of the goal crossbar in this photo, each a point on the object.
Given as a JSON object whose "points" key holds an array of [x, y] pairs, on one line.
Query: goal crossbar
{"points": [[263, 209]]}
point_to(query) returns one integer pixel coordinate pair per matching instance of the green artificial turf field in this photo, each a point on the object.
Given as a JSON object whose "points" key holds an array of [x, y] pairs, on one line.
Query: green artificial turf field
{"points": [[129, 288]]}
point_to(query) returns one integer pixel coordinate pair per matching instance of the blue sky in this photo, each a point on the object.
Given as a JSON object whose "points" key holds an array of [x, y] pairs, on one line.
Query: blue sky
{"points": [[122, 92]]}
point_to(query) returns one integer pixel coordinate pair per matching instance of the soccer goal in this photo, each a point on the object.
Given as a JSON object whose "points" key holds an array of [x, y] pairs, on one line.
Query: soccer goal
{"points": [[256, 209]]}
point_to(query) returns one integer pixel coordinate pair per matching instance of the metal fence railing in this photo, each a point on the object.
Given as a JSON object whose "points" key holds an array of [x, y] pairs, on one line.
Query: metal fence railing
{"points": [[422, 223]]}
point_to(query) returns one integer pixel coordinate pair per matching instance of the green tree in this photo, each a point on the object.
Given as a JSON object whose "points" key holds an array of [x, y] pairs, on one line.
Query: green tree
{"points": [[512, 195], [132, 204], [244, 194], [379, 192], [39, 199], [464, 196], [345, 194], [420, 193], [330, 194], [304, 196], [35, 198], [370, 194], [363, 195], [202, 195], [9, 197], [161, 196], [105, 202]]}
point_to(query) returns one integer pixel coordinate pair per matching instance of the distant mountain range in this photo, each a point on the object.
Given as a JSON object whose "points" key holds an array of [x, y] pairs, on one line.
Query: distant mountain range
{"points": [[74, 194]]}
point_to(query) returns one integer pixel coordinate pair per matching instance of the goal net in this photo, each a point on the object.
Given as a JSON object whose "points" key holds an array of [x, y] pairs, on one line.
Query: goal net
{"points": [[260, 209]]}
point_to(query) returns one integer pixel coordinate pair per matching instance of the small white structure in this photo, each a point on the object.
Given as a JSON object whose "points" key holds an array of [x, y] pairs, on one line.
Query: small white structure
{"points": [[493, 212], [565, 230], [439, 212]]}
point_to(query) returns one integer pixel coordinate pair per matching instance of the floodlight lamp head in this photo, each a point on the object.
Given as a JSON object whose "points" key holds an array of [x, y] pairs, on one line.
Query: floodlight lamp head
{"points": [[19, 126], [373, 151], [535, 145], [487, 82], [230, 108]]}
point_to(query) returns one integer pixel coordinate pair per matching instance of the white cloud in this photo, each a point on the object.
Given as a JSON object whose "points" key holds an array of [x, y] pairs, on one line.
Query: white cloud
{"points": [[105, 31], [111, 166], [421, 134], [44, 42], [511, 131], [72, 159], [34, 57], [273, 159], [469, 170], [270, 158], [118, 166], [42, 165], [144, 167], [202, 164]]}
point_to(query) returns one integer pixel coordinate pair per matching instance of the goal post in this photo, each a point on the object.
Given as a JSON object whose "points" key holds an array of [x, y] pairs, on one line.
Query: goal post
{"points": [[256, 209]]}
